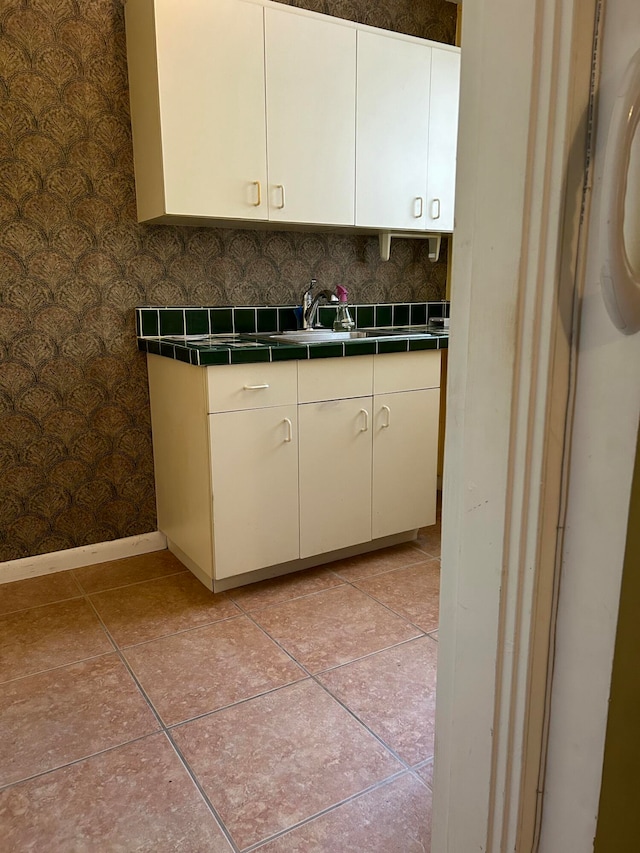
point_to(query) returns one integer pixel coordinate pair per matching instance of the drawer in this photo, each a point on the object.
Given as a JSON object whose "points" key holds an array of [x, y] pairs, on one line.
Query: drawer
{"points": [[408, 371], [251, 386], [335, 379]]}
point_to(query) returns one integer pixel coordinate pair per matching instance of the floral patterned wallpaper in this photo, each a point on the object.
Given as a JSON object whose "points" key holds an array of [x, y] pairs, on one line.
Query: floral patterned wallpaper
{"points": [[76, 461]]}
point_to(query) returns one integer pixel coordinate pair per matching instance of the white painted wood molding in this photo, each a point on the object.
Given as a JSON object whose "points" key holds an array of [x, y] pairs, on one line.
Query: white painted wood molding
{"points": [[86, 555], [516, 283]]}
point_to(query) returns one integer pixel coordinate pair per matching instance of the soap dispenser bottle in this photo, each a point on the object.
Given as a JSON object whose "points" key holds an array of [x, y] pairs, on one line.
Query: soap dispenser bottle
{"points": [[343, 321]]}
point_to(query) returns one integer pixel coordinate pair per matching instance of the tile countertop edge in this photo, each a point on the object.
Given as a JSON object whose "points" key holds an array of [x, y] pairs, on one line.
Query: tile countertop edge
{"points": [[201, 356]]}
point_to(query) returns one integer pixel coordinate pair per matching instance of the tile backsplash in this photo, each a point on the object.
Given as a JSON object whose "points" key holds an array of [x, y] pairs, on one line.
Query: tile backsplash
{"points": [[192, 320], [75, 442]]}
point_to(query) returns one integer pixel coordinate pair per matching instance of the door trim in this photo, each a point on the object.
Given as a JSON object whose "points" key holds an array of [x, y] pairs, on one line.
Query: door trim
{"points": [[517, 279]]}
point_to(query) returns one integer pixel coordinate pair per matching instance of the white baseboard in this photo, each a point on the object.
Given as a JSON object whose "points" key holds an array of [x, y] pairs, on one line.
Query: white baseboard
{"points": [[86, 555]]}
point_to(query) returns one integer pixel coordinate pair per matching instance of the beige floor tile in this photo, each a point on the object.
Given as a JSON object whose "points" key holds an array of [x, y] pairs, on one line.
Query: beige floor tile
{"points": [[59, 716], [271, 762], [394, 694], [145, 611], [333, 627], [202, 670], [49, 636], [413, 593], [429, 540], [115, 573], [393, 818], [136, 797], [275, 591], [425, 772], [33, 592], [367, 565]]}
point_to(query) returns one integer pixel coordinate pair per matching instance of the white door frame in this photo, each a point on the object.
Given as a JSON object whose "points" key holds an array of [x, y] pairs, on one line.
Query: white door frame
{"points": [[517, 280]]}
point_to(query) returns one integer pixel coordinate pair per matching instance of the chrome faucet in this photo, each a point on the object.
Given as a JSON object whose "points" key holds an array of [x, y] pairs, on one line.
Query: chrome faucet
{"points": [[311, 316], [310, 304], [307, 299]]}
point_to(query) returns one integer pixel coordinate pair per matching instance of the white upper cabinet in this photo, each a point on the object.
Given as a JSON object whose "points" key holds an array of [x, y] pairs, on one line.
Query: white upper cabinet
{"points": [[392, 131], [254, 110], [196, 79], [443, 133], [311, 101]]}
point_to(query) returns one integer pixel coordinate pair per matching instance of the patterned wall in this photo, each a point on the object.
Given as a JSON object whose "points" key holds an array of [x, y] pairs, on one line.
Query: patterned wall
{"points": [[75, 447]]}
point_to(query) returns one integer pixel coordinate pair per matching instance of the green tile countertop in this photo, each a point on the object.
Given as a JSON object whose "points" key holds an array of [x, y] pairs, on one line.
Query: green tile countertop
{"points": [[172, 332]]}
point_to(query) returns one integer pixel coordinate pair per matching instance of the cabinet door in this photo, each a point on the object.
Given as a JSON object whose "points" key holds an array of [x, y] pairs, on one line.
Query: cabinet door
{"points": [[311, 76], [254, 460], [210, 59], [405, 454], [443, 133], [392, 132], [335, 474]]}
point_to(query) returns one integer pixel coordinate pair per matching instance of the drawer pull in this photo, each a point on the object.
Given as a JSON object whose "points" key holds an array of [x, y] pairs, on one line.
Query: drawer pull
{"points": [[255, 387], [388, 421], [366, 420], [289, 430]]}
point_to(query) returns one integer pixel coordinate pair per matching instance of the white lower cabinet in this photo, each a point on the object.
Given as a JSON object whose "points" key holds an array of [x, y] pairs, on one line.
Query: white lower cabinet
{"points": [[405, 433], [262, 467], [335, 475], [254, 479]]}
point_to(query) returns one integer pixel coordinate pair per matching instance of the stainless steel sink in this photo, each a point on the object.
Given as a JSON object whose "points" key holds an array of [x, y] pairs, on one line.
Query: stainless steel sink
{"points": [[315, 336]]}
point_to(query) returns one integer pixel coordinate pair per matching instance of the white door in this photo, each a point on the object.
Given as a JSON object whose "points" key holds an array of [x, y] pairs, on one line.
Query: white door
{"points": [[392, 116], [254, 462], [311, 79], [212, 111], [443, 133], [405, 456], [335, 474]]}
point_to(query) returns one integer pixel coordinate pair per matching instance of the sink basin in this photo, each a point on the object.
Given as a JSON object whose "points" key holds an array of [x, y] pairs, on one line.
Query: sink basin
{"points": [[318, 336], [315, 336]]}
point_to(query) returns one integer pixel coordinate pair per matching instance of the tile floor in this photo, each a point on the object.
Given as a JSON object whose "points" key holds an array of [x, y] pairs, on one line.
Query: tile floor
{"points": [[139, 712]]}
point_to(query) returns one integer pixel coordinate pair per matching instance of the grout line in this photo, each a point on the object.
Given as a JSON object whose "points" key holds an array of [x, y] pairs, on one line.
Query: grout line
{"points": [[322, 672], [374, 787], [288, 600], [181, 631], [216, 815], [428, 553], [353, 714], [268, 692], [76, 761], [124, 585], [419, 779], [38, 606], [382, 571], [58, 666], [167, 734], [406, 619]]}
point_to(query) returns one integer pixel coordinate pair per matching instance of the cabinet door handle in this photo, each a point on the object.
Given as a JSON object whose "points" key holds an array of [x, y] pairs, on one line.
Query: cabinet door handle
{"points": [[366, 420], [281, 188], [258, 200], [289, 430], [418, 207], [388, 421], [254, 387], [435, 208]]}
